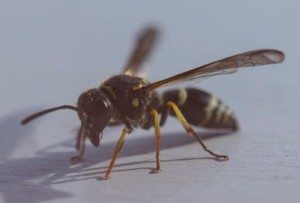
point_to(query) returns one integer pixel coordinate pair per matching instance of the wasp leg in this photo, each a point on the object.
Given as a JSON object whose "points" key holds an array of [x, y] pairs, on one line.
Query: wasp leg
{"points": [[156, 122], [116, 152], [79, 139], [80, 145], [191, 131]]}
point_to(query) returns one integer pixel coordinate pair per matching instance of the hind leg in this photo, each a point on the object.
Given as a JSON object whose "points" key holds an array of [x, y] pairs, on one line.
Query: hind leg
{"points": [[191, 131]]}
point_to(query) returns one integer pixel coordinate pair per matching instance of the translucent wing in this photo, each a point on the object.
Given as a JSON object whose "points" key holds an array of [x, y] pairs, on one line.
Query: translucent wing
{"points": [[144, 44], [223, 66]]}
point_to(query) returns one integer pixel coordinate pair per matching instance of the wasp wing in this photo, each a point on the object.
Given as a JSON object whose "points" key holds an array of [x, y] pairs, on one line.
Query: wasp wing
{"points": [[224, 66], [144, 44]]}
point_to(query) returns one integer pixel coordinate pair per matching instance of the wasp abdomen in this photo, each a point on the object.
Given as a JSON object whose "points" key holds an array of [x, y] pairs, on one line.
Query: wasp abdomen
{"points": [[202, 109]]}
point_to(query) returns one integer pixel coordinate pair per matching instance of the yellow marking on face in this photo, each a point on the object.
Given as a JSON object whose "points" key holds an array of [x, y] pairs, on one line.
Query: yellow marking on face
{"points": [[112, 120], [212, 104], [182, 96], [108, 88], [135, 102]]}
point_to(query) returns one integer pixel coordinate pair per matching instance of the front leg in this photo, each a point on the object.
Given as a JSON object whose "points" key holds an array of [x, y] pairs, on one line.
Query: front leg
{"points": [[81, 136], [116, 152], [156, 121], [80, 145]]}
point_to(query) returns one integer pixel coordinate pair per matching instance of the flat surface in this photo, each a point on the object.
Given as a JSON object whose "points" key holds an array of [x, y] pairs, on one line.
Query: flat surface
{"points": [[53, 50]]}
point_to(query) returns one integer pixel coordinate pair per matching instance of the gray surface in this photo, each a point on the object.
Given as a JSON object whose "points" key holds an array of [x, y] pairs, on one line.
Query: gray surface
{"points": [[53, 50]]}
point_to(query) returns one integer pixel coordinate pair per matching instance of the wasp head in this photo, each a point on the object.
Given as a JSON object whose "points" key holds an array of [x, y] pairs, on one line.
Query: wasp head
{"points": [[97, 110]]}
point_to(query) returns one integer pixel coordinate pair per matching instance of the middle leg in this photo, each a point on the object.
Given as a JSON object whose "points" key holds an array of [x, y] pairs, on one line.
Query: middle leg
{"points": [[156, 122]]}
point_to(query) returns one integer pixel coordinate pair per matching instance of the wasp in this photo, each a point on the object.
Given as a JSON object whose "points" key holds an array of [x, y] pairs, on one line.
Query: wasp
{"points": [[132, 101]]}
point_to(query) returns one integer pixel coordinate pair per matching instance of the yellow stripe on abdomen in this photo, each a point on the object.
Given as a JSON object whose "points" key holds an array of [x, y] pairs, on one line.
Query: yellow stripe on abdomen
{"points": [[212, 105]]}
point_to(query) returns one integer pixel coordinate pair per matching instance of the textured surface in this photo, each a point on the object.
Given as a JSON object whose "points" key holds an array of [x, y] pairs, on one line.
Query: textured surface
{"points": [[52, 50]]}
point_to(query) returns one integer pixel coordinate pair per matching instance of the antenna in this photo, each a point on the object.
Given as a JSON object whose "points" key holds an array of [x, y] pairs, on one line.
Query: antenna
{"points": [[41, 113]]}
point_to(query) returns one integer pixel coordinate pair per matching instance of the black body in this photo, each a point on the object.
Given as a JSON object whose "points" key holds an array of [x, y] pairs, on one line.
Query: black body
{"points": [[118, 101], [133, 101]]}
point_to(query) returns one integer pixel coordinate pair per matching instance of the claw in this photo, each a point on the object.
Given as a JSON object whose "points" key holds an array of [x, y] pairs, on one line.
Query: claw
{"points": [[222, 157], [75, 159], [106, 177], [155, 170]]}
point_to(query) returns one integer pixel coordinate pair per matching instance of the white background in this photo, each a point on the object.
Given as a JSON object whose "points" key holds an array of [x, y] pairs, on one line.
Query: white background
{"points": [[51, 51]]}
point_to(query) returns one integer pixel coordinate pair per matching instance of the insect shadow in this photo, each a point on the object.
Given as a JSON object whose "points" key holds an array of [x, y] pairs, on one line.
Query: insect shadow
{"points": [[35, 175]]}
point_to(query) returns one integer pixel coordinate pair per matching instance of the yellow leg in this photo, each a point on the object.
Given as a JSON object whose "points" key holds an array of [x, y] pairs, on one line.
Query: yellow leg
{"points": [[191, 131], [156, 122], [116, 152]]}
